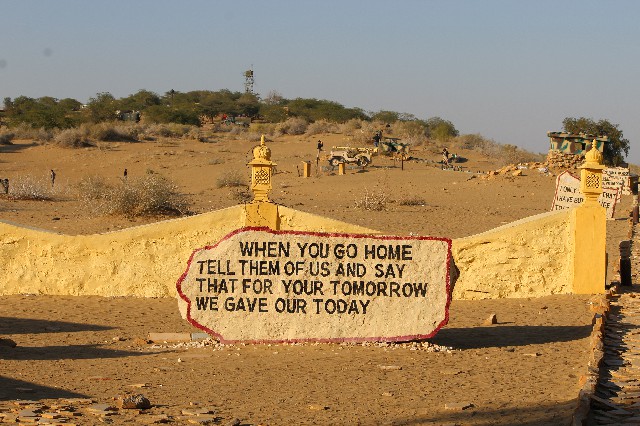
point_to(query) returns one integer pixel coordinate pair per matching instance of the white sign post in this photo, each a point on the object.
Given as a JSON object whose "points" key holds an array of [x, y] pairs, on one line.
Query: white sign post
{"points": [[617, 178], [260, 285], [568, 195]]}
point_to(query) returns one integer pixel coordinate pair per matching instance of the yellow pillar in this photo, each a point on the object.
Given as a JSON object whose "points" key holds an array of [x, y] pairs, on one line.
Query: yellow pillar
{"points": [[589, 229], [261, 211], [306, 165], [341, 169]]}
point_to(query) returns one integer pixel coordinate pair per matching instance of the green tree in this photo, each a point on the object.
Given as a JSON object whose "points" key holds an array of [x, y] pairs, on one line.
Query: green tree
{"points": [[102, 107], [44, 112], [181, 114], [248, 104], [273, 113], [440, 129], [615, 150], [139, 101], [388, 117], [312, 109]]}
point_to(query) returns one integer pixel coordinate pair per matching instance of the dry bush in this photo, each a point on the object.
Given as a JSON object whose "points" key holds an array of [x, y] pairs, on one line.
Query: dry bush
{"points": [[6, 138], [351, 126], [253, 136], [242, 195], [24, 131], [409, 129], [293, 126], [511, 154], [215, 161], [322, 126], [505, 154], [365, 134], [150, 195], [237, 130], [72, 138], [195, 134], [30, 188], [112, 132], [167, 130], [372, 200], [413, 201], [264, 128], [231, 179]]}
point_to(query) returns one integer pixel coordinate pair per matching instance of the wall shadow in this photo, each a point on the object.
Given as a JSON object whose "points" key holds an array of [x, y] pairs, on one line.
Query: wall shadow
{"points": [[51, 353], [509, 335], [9, 325], [540, 415], [9, 149], [13, 389]]}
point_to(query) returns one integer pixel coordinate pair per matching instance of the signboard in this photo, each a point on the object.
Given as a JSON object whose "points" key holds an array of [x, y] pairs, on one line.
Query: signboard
{"points": [[617, 178], [568, 195], [261, 285]]}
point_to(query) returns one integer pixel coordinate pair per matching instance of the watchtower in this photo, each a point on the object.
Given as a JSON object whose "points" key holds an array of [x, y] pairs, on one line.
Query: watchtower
{"points": [[248, 81]]}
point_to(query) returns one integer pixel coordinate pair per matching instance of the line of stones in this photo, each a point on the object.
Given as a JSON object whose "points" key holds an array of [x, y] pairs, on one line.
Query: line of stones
{"points": [[610, 391]]}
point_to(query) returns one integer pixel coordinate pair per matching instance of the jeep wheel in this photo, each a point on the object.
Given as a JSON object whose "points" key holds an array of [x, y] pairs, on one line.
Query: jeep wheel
{"points": [[334, 161]]}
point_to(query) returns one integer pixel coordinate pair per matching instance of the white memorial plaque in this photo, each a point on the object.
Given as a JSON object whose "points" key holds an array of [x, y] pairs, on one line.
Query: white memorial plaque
{"points": [[261, 285], [568, 195], [617, 178]]}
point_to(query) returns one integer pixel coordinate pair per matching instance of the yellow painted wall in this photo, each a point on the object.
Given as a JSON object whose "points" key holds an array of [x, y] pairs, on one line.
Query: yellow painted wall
{"points": [[531, 257], [144, 261]]}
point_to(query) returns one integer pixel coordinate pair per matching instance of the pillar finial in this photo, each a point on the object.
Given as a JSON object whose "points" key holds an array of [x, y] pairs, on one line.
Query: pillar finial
{"points": [[261, 172], [591, 175]]}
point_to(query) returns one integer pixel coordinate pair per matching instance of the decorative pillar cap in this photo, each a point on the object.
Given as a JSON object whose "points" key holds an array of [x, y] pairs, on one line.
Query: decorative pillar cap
{"points": [[593, 158]]}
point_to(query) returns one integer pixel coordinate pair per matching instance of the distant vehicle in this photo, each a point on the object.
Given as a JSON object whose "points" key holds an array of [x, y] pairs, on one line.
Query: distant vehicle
{"points": [[392, 147], [128, 116], [348, 155]]}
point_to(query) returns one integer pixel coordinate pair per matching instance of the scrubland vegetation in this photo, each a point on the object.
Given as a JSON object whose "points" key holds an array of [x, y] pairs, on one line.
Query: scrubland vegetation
{"points": [[206, 115]]}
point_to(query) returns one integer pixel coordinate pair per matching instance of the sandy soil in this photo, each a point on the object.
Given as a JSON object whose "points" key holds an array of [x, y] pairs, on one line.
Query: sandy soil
{"points": [[523, 370]]}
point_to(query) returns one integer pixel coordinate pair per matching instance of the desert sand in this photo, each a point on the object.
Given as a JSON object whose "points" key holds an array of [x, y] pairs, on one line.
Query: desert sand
{"points": [[522, 370]]}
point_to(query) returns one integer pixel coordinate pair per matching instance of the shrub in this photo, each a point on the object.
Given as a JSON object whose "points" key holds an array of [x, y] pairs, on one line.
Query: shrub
{"points": [[413, 201], [149, 195], [264, 128], [6, 138], [24, 131], [72, 138], [112, 132], [293, 126], [253, 136], [170, 130], [351, 126], [242, 195], [230, 179], [372, 200], [322, 126], [30, 188]]}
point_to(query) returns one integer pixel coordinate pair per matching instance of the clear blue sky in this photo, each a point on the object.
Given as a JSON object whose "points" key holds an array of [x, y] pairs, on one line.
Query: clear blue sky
{"points": [[509, 70]]}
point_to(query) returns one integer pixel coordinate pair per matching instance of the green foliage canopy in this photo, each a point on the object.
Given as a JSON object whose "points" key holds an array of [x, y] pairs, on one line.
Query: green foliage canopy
{"points": [[44, 112], [440, 129], [617, 147]]}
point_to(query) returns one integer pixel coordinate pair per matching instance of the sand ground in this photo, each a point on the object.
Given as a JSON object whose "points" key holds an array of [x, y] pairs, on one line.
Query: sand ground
{"points": [[523, 370]]}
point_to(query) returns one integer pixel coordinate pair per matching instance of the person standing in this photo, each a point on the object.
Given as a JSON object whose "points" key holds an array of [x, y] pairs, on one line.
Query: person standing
{"points": [[377, 137], [53, 178], [445, 157]]}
